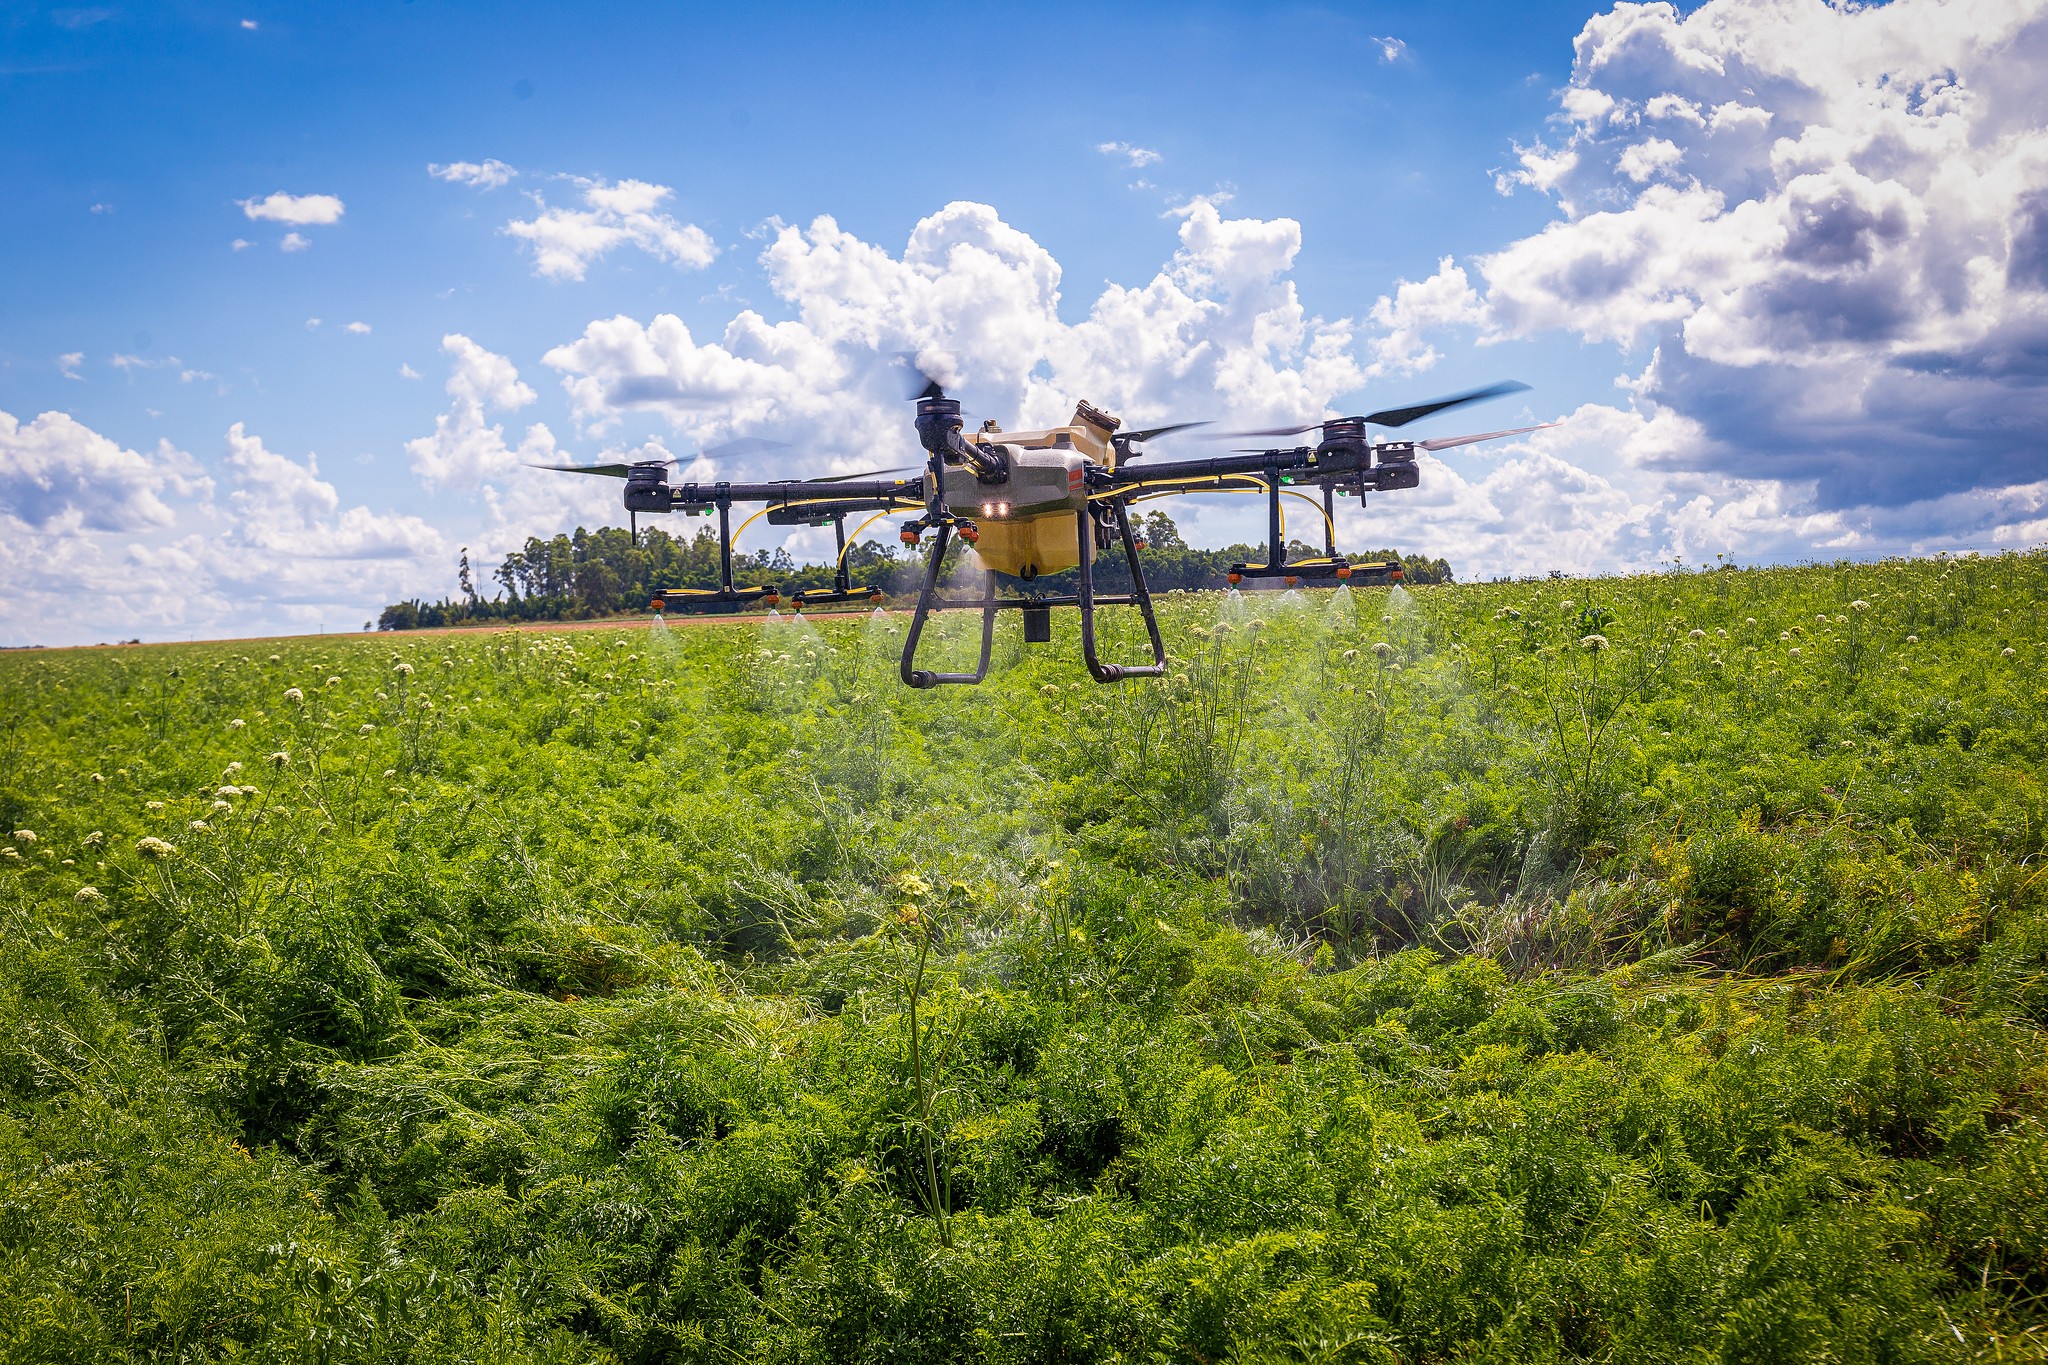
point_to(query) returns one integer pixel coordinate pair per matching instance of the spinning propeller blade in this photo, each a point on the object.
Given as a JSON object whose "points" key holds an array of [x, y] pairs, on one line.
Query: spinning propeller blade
{"points": [[610, 471], [1401, 417], [870, 474], [917, 383], [1154, 433], [738, 449], [1397, 417], [1446, 442]]}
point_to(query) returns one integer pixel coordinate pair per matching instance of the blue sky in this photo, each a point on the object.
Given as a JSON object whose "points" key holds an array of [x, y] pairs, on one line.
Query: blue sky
{"points": [[1607, 222]]}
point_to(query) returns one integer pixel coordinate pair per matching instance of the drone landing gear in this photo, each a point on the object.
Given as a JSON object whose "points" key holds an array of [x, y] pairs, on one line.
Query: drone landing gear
{"points": [[1038, 610]]}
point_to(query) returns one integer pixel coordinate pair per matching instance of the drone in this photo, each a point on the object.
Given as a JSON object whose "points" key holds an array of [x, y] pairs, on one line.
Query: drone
{"points": [[1037, 503]]}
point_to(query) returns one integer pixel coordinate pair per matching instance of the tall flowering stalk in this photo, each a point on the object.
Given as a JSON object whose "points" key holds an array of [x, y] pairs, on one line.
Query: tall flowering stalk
{"points": [[916, 928]]}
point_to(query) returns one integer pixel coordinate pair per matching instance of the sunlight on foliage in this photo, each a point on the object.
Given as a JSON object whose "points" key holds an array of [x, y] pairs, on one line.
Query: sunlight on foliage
{"points": [[1637, 969]]}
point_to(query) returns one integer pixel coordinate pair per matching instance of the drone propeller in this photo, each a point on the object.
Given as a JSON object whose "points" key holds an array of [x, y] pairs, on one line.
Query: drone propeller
{"points": [[918, 382], [1398, 417], [870, 474], [609, 471], [1441, 442], [740, 448], [1447, 442], [735, 449], [1131, 438]]}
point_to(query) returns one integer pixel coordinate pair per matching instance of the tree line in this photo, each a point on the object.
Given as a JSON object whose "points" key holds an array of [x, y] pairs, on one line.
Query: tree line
{"points": [[589, 574]]}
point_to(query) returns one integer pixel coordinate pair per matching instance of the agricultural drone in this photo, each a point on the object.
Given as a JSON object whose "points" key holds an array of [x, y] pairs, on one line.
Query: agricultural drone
{"points": [[1034, 503]]}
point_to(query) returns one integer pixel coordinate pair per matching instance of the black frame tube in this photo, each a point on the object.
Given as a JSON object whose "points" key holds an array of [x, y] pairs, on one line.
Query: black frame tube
{"points": [[725, 543], [1140, 595], [925, 677]]}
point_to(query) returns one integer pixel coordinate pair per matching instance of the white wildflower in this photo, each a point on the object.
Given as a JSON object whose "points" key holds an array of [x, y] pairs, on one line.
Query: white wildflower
{"points": [[87, 894], [28, 836], [294, 695], [153, 847], [1595, 643], [236, 724]]}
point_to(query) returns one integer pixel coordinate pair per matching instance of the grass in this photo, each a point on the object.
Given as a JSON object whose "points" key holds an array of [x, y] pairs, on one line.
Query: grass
{"points": [[1636, 969]]}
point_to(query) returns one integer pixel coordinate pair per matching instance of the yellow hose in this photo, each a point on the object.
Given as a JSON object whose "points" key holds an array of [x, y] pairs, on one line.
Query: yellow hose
{"points": [[862, 527], [1313, 503], [814, 502]]}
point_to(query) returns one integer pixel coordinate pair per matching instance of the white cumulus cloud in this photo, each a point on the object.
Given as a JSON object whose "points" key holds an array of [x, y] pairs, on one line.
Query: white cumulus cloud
{"points": [[466, 449], [1822, 230], [624, 213], [1219, 331], [484, 175], [56, 474], [301, 210], [98, 541], [1132, 155]]}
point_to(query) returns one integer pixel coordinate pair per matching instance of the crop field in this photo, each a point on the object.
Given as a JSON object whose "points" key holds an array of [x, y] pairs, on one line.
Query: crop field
{"points": [[1637, 969]]}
